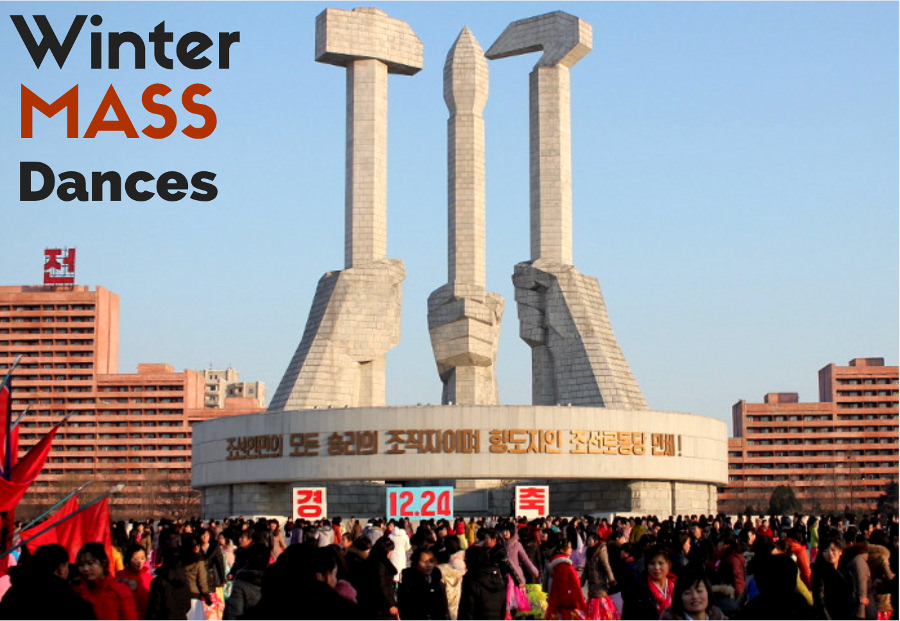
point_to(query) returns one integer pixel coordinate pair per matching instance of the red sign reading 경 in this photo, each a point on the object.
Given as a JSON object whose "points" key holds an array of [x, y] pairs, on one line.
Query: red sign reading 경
{"points": [[59, 266], [309, 503]]}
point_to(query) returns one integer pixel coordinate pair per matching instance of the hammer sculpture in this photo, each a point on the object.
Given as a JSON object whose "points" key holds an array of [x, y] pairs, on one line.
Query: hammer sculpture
{"points": [[355, 316]]}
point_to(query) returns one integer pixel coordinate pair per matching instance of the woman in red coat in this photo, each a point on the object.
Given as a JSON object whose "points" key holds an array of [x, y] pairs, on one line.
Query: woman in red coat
{"points": [[137, 576], [110, 599], [566, 599]]}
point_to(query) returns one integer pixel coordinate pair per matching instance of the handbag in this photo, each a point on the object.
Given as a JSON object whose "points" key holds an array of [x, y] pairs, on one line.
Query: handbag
{"points": [[522, 602]]}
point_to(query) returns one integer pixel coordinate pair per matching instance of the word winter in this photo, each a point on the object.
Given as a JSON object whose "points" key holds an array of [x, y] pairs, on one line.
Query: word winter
{"points": [[188, 50]]}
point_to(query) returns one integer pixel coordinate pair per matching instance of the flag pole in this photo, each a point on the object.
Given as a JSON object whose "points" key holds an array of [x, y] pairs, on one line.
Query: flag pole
{"points": [[19, 418], [57, 505], [6, 519], [112, 490], [7, 459], [12, 368]]}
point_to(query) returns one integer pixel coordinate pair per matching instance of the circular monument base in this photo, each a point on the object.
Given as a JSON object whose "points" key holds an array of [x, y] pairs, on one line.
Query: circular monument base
{"points": [[595, 460]]}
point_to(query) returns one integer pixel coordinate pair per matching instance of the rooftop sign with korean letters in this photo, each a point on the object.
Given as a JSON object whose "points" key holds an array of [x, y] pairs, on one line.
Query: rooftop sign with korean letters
{"points": [[436, 442], [59, 266]]}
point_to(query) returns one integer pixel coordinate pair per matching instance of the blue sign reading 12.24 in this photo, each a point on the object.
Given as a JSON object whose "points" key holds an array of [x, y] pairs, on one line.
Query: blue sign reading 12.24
{"points": [[419, 502]]}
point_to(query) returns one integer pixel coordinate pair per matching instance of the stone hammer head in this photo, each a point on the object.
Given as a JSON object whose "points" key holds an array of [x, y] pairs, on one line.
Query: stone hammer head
{"points": [[564, 38], [367, 33]]}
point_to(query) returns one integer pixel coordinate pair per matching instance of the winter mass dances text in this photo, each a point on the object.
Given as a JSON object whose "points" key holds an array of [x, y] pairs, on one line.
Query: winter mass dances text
{"points": [[37, 180]]}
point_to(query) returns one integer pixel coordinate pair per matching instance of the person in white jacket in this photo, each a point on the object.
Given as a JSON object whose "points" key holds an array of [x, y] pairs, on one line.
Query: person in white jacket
{"points": [[400, 555]]}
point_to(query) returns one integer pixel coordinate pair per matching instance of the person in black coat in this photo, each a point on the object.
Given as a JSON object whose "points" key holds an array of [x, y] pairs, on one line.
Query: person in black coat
{"points": [[317, 597], [638, 600], [246, 591], [499, 556], [776, 578], [422, 594], [300, 585], [40, 591], [212, 555], [832, 594], [355, 556], [170, 595], [377, 596], [483, 587]]}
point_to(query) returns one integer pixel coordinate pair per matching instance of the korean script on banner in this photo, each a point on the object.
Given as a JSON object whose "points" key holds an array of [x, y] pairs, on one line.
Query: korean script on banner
{"points": [[59, 266], [532, 501], [309, 503], [419, 502]]}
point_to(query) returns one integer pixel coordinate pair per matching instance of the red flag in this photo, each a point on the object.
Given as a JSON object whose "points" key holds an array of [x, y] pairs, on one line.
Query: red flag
{"points": [[52, 535], [6, 427], [11, 493], [29, 467], [94, 526], [25, 472]]}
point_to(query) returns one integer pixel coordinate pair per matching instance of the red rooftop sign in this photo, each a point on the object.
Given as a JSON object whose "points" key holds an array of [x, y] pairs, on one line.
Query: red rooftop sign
{"points": [[59, 266]]}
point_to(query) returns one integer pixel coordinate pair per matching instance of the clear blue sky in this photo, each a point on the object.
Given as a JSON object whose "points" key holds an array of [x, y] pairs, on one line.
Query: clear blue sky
{"points": [[735, 188]]}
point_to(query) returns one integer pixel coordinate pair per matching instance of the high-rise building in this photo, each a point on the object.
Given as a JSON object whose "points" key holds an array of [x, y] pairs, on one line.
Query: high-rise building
{"points": [[840, 451], [131, 428], [223, 385]]}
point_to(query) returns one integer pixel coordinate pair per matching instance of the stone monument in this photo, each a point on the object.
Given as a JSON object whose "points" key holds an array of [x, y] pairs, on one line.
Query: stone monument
{"points": [[327, 426]]}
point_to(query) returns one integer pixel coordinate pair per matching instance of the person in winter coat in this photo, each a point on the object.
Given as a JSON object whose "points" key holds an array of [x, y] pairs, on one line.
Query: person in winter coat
{"points": [[422, 594], [355, 558], [882, 576], [730, 563], [373, 531], [227, 548], [682, 555], [195, 574], [400, 554], [376, 595], [599, 577], [471, 530], [855, 567], [797, 548], [832, 597], [651, 592], [110, 599], [451, 572], [499, 557], [692, 599], [247, 588], [40, 589], [212, 556], [530, 538], [777, 577], [170, 596], [565, 599], [244, 541], [278, 542], [136, 575], [324, 534], [141, 536], [519, 561], [214, 559], [483, 593], [316, 597]]}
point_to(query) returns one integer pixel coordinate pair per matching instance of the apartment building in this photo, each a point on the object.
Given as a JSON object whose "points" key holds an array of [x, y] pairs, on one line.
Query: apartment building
{"points": [[131, 428], [840, 451]]}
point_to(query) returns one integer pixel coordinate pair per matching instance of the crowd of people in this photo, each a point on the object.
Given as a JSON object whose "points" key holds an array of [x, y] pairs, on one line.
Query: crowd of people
{"points": [[684, 567]]}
